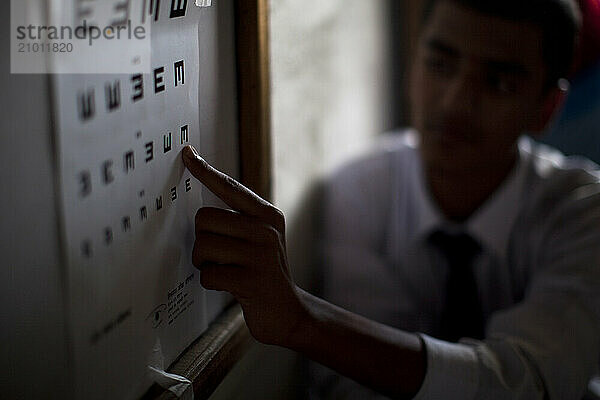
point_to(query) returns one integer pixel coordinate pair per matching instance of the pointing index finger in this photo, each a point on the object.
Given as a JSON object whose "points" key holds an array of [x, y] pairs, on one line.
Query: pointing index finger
{"points": [[233, 193]]}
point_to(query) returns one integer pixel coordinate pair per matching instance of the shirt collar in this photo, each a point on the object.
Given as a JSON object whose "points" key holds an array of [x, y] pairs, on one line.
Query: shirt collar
{"points": [[428, 215], [490, 224]]}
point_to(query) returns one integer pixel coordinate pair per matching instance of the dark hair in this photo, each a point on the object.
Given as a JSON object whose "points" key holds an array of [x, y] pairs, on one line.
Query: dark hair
{"points": [[560, 21]]}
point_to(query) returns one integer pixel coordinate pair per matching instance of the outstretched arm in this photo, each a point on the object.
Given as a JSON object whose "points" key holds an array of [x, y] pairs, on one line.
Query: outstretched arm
{"points": [[243, 251]]}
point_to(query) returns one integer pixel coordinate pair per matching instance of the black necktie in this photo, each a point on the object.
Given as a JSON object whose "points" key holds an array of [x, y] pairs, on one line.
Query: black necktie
{"points": [[462, 315]]}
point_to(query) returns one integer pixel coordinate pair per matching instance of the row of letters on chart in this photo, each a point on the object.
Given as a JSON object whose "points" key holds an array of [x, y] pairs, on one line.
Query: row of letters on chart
{"points": [[86, 98], [107, 171], [144, 213]]}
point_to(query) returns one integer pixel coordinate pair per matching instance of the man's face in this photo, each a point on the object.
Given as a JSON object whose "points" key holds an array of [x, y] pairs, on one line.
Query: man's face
{"points": [[477, 83]]}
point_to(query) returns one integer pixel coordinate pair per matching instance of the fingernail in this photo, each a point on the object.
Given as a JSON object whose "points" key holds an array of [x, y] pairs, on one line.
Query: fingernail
{"points": [[191, 152]]}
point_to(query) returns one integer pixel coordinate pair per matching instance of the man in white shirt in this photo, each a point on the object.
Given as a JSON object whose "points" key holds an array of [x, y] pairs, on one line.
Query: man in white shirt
{"points": [[537, 270], [461, 232]]}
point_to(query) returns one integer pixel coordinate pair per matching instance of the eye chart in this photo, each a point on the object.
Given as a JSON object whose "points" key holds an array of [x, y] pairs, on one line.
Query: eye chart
{"points": [[128, 204]]}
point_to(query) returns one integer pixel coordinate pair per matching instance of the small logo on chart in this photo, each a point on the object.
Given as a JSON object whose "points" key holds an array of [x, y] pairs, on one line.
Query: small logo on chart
{"points": [[156, 316]]}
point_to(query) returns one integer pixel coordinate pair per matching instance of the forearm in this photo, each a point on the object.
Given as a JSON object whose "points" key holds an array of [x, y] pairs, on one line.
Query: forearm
{"points": [[385, 359]]}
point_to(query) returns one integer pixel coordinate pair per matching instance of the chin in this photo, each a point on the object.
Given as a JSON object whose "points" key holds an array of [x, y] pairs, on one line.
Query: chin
{"points": [[449, 159]]}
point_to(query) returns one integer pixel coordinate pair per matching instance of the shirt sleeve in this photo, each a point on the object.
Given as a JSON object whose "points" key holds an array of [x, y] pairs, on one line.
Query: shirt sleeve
{"points": [[551, 358], [452, 371], [547, 346]]}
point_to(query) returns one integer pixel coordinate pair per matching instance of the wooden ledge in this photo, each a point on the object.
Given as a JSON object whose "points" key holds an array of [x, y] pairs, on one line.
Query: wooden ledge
{"points": [[209, 359]]}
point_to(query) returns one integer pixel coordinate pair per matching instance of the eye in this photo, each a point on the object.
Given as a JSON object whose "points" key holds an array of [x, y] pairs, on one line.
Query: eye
{"points": [[501, 83], [439, 65]]}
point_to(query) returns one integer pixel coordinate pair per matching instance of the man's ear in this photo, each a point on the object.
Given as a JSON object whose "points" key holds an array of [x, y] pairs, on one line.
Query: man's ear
{"points": [[551, 104]]}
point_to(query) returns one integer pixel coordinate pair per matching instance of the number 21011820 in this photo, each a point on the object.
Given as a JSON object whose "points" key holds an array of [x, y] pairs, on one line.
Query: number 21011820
{"points": [[45, 47]]}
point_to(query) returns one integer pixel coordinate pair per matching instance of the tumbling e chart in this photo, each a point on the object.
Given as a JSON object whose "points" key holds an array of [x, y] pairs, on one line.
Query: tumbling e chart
{"points": [[128, 204]]}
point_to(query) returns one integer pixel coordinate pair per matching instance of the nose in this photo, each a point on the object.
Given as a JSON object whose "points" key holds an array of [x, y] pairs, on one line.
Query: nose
{"points": [[461, 96]]}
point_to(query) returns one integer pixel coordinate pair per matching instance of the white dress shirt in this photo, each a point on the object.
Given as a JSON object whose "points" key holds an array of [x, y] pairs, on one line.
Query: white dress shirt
{"points": [[538, 274]]}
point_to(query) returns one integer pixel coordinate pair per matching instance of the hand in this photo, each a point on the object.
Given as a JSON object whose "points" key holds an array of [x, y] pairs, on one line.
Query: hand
{"points": [[243, 251]]}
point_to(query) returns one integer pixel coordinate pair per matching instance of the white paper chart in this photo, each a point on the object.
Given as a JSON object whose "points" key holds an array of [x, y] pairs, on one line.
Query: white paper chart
{"points": [[128, 207]]}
